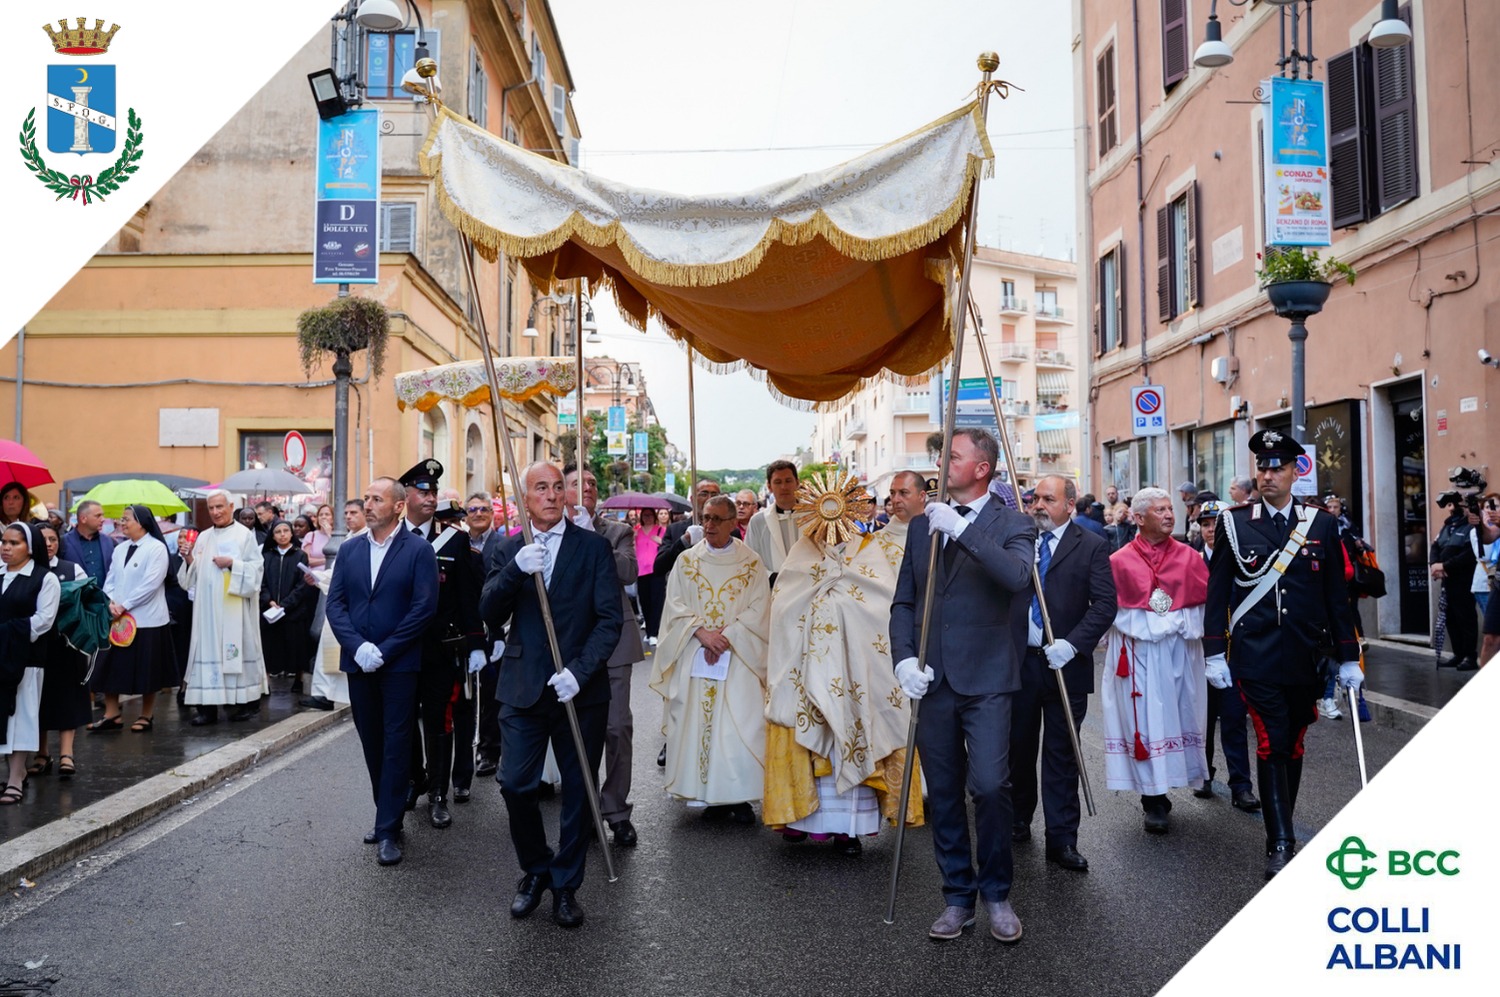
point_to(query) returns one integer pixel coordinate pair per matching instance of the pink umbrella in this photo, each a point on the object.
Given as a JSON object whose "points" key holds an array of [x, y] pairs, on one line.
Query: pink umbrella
{"points": [[21, 465]]}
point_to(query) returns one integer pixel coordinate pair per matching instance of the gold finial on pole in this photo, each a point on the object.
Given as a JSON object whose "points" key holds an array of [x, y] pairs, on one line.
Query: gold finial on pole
{"points": [[988, 62]]}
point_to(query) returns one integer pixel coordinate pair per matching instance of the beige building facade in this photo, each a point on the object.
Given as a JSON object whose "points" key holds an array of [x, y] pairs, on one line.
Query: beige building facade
{"points": [[174, 350], [1172, 222], [1029, 320]]}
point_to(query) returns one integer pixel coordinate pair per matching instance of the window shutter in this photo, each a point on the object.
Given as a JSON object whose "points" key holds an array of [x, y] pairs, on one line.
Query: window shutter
{"points": [[1395, 122], [398, 233], [1345, 139], [1164, 263], [1174, 42], [1099, 305], [1104, 100], [1190, 200], [1119, 304], [560, 109]]}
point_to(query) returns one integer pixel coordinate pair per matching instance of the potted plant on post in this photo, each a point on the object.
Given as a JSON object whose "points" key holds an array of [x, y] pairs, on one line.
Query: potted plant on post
{"points": [[1298, 281]]}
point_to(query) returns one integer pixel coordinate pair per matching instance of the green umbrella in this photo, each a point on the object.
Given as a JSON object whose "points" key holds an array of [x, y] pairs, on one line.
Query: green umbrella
{"points": [[114, 496]]}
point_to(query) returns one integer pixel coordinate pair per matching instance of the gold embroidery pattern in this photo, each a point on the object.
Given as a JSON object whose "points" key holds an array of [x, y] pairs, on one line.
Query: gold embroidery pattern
{"points": [[706, 707], [856, 593], [717, 602], [882, 645], [856, 745]]}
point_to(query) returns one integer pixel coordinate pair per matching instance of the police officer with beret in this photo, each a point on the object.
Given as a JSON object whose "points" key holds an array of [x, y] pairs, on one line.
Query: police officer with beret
{"points": [[1276, 602], [453, 642]]}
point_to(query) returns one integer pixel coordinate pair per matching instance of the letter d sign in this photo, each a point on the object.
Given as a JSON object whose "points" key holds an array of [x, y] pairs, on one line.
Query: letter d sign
{"points": [[346, 212]]}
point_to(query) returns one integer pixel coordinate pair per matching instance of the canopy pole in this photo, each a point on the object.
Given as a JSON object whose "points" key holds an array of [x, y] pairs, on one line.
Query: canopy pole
{"points": [[1036, 577], [578, 417], [508, 461], [988, 62], [692, 441]]}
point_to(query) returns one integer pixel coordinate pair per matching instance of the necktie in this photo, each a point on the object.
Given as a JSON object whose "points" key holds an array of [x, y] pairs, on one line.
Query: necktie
{"points": [[950, 546], [546, 541], [1280, 520], [1043, 559], [130, 552]]}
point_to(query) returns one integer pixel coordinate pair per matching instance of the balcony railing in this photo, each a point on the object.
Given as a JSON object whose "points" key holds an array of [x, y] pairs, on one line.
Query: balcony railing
{"points": [[1046, 407], [1011, 353], [1012, 305], [1049, 311], [915, 404], [856, 430], [915, 461], [1052, 358], [1011, 406]]}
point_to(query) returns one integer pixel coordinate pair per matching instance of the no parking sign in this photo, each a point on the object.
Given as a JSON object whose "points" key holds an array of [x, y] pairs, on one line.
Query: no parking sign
{"points": [[1148, 410], [1307, 473]]}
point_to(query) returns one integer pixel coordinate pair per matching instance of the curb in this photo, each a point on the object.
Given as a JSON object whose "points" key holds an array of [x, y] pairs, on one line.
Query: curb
{"points": [[1398, 714], [40, 851]]}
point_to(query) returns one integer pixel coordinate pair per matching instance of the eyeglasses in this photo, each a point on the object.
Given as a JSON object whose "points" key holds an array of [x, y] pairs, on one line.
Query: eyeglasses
{"points": [[717, 519], [479, 508], [744, 502]]}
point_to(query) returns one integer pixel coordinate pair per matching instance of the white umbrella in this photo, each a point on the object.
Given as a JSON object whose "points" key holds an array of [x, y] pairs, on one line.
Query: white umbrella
{"points": [[265, 480]]}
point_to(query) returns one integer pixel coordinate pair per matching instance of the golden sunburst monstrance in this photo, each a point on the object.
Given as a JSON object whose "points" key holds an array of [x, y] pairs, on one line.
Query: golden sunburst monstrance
{"points": [[828, 506]]}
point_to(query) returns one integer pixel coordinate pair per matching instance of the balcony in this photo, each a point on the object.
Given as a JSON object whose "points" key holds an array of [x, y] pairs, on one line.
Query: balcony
{"points": [[1012, 305], [856, 430], [914, 404], [1047, 405], [1012, 407], [1052, 358], [1048, 312], [923, 461], [1012, 353]]}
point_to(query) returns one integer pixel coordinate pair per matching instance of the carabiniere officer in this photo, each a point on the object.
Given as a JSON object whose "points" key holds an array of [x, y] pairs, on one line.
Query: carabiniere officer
{"points": [[1276, 604]]}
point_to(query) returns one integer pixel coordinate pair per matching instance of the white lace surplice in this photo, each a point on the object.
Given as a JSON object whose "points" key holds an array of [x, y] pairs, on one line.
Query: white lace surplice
{"points": [[1165, 653]]}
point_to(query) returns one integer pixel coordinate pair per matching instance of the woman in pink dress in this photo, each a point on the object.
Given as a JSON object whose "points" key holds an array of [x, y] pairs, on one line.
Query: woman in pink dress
{"points": [[651, 588]]}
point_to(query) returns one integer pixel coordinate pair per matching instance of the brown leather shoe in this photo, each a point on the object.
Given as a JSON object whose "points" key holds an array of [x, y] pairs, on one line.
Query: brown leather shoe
{"points": [[1004, 925], [951, 923]]}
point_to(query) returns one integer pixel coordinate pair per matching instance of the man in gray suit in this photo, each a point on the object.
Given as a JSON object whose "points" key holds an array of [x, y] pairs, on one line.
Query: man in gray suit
{"points": [[614, 792], [972, 672]]}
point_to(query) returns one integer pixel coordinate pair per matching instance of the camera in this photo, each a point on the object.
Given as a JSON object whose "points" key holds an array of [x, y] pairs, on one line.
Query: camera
{"points": [[1459, 502], [1465, 496]]}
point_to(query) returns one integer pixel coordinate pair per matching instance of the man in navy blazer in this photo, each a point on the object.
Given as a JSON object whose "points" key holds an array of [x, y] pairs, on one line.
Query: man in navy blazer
{"points": [[383, 594], [973, 669], [578, 570], [1080, 590]]}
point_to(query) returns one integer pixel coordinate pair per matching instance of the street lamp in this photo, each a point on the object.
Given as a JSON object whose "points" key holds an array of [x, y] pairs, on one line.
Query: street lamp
{"points": [[1389, 32], [386, 15], [589, 325]]}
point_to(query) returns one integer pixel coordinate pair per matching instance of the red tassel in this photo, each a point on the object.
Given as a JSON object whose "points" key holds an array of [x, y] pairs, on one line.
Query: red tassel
{"points": [[1141, 754], [1123, 668]]}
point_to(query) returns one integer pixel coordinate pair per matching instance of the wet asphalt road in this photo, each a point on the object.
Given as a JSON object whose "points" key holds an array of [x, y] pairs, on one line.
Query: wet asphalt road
{"points": [[262, 886]]}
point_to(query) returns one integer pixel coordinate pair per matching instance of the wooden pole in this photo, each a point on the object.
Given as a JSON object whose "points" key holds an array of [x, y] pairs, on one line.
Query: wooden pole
{"points": [[988, 62], [692, 440], [1036, 577]]}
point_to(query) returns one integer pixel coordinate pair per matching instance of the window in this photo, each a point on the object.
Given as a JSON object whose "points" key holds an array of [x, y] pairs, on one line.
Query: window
{"points": [[1046, 301], [1109, 309], [398, 227], [1104, 100], [538, 62], [264, 449], [1177, 255], [560, 109], [1176, 56], [388, 55], [479, 90], [1372, 125], [1213, 459]]}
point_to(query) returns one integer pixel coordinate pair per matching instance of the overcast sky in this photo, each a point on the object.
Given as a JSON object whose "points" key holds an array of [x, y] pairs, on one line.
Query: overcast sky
{"points": [[668, 93]]}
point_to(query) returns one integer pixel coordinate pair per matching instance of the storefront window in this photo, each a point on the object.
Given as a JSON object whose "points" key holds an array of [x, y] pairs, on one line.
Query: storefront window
{"points": [[1213, 458], [264, 450]]}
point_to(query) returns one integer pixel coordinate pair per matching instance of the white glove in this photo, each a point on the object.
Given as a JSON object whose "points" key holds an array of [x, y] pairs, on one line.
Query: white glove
{"points": [[1216, 670], [1059, 653], [583, 520], [499, 651], [913, 680], [367, 656], [944, 519], [1351, 676], [476, 661], [532, 558], [694, 534], [564, 684]]}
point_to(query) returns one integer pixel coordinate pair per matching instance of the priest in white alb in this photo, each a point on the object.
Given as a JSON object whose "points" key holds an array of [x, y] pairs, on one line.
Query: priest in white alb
{"points": [[1152, 691], [836, 718], [710, 668], [222, 573], [773, 530]]}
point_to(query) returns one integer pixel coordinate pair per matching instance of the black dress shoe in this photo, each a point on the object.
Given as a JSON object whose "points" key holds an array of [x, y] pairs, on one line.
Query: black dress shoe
{"points": [[1067, 856], [661, 759], [1020, 832], [438, 813], [1205, 791], [741, 813], [847, 845], [1245, 800], [1451, 662], [624, 833], [316, 703], [247, 712], [486, 767], [388, 852], [413, 794], [460, 794], [565, 910], [371, 837], [1468, 665], [529, 893], [202, 718]]}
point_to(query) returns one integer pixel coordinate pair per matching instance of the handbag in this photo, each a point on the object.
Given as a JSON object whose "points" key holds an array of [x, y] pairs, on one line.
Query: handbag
{"points": [[1369, 580]]}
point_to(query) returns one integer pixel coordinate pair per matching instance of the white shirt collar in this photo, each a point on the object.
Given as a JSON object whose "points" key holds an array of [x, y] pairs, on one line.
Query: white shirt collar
{"points": [[1271, 510], [556, 529], [1056, 531], [380, 543], [974, 505], [25, 569]]}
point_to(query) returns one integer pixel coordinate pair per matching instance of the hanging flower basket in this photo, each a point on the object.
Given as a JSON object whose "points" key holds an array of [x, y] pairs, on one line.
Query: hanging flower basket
{"points": [[1298, 298]]}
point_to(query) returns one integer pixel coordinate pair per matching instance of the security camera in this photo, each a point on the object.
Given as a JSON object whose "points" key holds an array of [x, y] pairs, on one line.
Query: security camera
{"points": [[1488, 360]]}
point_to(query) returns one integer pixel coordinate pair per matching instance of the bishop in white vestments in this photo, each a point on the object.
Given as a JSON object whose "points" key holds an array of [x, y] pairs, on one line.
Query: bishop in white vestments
{"points": [[223, 572]]}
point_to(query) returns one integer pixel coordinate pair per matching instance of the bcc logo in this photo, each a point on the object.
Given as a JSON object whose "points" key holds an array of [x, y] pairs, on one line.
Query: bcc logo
{"points": [[1353, 863]]}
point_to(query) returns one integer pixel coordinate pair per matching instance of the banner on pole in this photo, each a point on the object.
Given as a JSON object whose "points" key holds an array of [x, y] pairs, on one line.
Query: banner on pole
{"points": [[1298, 194], [346, 243]]}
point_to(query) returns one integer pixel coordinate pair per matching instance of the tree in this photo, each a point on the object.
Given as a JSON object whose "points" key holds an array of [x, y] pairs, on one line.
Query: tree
{"points": [[808, 470]]}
